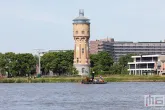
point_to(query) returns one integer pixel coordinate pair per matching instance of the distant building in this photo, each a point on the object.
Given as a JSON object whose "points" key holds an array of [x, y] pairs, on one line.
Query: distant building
{"points": [[42, 53], [59, 50], [120, 48], [147, 65]]}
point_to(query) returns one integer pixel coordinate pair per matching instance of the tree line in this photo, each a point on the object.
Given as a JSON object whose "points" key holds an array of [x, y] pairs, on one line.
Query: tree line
{"points": [[102, 63], [17, 64], [59, 63]]}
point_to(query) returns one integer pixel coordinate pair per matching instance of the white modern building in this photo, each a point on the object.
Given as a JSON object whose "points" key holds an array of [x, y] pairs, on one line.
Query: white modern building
{"points": [[147, 65]]}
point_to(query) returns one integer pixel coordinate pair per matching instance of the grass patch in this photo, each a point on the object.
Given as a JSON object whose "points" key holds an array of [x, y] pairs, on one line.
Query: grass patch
{"points": [[63, 79], [7, 81]]}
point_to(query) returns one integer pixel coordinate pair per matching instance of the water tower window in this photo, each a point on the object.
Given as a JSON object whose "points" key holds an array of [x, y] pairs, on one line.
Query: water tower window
{"points": [[76, 32], [82, 50], [83, 32]]}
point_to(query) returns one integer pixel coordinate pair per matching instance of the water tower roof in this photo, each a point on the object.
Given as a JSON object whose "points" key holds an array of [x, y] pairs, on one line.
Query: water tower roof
{"points": [[81, 18]]}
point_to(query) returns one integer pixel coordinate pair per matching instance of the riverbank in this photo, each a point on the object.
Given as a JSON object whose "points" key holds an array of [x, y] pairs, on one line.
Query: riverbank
{"points": [[62, 79]]}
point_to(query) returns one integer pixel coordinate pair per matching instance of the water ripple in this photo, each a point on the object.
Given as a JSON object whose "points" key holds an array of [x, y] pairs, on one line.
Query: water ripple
{"points": [[72, 96]]}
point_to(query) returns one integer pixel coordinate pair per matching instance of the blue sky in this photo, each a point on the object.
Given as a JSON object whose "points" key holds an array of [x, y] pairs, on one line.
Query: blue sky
{"points": [[47, 24]]}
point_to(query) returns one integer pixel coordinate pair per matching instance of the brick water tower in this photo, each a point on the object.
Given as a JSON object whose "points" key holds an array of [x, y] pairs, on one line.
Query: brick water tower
{"points": [[81, 34]]}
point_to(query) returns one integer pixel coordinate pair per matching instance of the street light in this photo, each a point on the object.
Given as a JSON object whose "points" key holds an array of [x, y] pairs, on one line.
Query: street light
{"points": [[39, 61]]}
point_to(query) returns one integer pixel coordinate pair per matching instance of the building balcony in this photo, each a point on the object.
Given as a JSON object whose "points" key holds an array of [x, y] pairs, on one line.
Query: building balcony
{"points": [[152, 69], [141, 62], [145, 60]]}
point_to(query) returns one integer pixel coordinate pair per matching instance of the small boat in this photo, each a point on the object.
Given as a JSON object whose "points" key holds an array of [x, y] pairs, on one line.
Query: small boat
{"points": [[93, 81]]}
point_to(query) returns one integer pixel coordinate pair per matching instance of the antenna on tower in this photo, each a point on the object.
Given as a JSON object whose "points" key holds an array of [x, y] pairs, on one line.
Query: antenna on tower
{"points": [[81, 12]]}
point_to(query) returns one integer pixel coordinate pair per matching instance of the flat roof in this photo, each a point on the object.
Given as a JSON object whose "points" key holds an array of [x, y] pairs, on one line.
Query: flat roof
{"points": [[151, 42], [146, 56]]}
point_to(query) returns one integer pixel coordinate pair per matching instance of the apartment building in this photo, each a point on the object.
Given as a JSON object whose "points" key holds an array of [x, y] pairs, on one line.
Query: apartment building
{"points": [[147, 65], [120, 48]]}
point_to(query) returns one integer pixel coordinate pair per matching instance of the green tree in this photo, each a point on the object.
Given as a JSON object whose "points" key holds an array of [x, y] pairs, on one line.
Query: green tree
{"points": [[47, 62], [115, 69], [2, 64], [25, 64], [101, 62], [17, 64], [58, 62], [123, 62], [10, 63]]}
